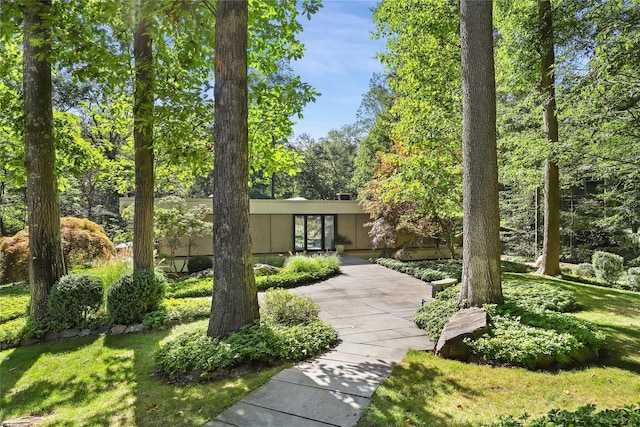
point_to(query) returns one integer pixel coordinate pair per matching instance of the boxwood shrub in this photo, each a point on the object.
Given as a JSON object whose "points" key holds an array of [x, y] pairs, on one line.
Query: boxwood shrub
{"points": [[608, 266], [199, 263], [280, 307], [73, 299], [133, 295]]}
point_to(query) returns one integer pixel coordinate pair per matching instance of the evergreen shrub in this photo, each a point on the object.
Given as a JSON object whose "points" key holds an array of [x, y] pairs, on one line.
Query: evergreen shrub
{"points": [[633, 278], [608, 266], [585, 269], [281, 307], [133, 295], [199, 263], [73, 299]]}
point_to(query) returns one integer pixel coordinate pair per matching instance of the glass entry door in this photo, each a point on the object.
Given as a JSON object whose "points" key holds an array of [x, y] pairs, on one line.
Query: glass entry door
{"points": [[314, 232]]}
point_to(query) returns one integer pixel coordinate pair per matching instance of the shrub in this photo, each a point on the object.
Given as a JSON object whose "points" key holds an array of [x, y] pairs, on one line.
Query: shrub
{"points": [[281, 307], [633, 278], [73, 299], [310, 264], [199, 263], [608, 266], [259, 342], [585, 270], [133, 295], [433, 316], [83, 241]]}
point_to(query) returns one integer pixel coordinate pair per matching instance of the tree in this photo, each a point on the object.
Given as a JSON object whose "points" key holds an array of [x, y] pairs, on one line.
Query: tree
{"points": [[551, 242], [481, 229], [235, 298], [46, 261], [143, 243]]}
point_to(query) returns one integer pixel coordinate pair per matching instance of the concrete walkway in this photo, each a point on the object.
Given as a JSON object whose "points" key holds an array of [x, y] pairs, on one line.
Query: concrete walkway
{"points": [[372, 308]]}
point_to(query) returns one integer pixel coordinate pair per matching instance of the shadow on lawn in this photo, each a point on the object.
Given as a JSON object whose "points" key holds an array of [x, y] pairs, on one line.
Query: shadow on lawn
{"points": [[18, 361], [396, 404]]}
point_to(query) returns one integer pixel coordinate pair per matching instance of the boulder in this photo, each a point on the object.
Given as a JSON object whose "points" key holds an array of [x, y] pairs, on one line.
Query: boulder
{"points": [[265, 269], [466, 323], [118, 329]]}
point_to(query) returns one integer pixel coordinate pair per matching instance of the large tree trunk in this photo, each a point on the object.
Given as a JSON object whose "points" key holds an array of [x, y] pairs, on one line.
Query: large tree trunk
{"points": [[235, 299], [551, 242], [481, 225], [143, 243], [46, 261]]}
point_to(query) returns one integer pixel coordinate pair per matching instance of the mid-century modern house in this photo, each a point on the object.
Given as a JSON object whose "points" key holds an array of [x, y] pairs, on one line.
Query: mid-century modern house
{"points": [[300, 225]]}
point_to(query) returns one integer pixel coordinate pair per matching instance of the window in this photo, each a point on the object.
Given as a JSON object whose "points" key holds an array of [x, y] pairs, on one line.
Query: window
{"points": [[314, 232]]}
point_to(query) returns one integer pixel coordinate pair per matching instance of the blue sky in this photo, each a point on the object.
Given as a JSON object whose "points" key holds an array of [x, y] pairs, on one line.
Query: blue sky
{"points": [[338, 62]]}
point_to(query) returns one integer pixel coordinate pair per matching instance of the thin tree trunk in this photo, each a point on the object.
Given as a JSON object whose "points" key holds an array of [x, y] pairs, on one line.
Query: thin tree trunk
{"points": [[481, 224], [46, 261], [143, 242], [235, 299], [551, 241]]}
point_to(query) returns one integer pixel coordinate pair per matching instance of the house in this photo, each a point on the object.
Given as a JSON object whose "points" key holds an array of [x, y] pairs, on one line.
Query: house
{"points": [[300, 225]]}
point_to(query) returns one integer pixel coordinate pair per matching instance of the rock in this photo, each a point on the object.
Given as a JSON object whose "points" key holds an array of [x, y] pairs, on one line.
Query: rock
{"points": [[118, 329], [84, 333], [52, 336], [538, 262], [99, 331], [466, 323], [439, 285], [29, 341], [70, 333], [133, 328], [23, 421], [265, 269]]}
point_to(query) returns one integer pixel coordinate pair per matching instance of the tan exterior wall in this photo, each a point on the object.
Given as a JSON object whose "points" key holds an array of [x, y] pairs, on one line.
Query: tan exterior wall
{"points": [[281, 233]]}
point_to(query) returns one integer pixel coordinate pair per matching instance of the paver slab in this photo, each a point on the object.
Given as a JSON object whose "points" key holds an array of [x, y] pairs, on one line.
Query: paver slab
{"points": [[247, 415]]}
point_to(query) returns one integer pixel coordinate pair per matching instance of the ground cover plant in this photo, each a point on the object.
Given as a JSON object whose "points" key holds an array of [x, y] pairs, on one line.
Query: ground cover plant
{"points": [[289, 330], [425, 390], [300, 269]]}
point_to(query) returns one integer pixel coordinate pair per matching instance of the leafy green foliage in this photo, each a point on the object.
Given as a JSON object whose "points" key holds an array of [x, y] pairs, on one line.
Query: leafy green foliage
{"points": [[633, 278], [429, 270], [73, 299], [259, 342], [134, 295], [301, 269], [585, 269], [199, 263], [280, 307], [15, 298], [433, 316], [179, 310], [189, 288], [608, 266], [583, 416]]}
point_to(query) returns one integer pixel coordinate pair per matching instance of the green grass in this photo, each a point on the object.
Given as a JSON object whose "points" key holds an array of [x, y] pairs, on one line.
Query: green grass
{"points": [[14, 298], [109, 380], [425, 390]]}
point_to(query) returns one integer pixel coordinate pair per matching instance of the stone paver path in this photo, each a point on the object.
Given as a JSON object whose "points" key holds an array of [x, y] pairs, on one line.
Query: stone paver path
{"points": [[372, 308]]}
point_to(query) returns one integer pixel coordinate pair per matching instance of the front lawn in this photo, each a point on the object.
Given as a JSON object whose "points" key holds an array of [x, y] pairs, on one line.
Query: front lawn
{"points": [[425, 390], [109, 380]]}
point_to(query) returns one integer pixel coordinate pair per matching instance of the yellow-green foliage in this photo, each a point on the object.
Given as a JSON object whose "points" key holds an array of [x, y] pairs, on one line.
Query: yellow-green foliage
{"points": [[83, 241]]}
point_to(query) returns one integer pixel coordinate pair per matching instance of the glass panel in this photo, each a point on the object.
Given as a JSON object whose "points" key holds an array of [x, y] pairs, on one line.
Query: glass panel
{"points": [[314, 232], [299, 233], [329, 231]]}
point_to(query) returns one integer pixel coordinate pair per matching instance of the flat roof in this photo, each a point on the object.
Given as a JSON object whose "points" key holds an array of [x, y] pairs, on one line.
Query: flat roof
{"points": [[270, 206]]}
